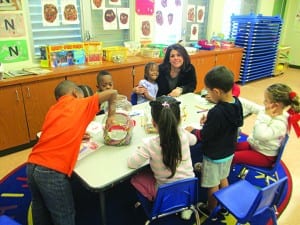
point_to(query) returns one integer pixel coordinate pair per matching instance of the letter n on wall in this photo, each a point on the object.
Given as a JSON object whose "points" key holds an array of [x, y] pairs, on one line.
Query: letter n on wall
{"points": [[13, 51], [12, 25]]}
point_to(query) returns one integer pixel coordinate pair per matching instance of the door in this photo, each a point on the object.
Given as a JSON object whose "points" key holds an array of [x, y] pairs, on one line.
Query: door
{"points": [[38, 97], [13, 123]]}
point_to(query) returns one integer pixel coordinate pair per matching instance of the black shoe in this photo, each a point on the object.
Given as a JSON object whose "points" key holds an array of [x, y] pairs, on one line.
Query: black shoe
{"points": [[223, 212], [202, 208]]}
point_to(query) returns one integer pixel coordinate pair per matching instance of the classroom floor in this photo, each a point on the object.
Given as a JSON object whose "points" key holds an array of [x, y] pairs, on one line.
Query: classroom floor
{"points": [[252, 91]]}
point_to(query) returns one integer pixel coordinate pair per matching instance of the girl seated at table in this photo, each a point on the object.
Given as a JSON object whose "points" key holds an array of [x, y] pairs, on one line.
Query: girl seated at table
{"points": [[169, 158]]}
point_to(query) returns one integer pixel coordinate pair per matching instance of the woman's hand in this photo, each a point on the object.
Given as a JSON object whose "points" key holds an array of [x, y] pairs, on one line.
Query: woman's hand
{"points": [[176, 92]]}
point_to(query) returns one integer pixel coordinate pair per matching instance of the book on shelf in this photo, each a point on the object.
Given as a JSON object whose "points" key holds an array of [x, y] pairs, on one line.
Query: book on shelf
{"points": [[26, 71]]}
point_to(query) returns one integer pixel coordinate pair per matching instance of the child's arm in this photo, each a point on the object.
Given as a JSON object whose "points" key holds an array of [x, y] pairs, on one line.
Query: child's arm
{"points": [[194, 131], [138, 158], [250, 107]]}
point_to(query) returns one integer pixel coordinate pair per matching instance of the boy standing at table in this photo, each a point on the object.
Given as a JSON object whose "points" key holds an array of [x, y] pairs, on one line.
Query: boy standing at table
{"points": [[52, 160], [219, 133]]}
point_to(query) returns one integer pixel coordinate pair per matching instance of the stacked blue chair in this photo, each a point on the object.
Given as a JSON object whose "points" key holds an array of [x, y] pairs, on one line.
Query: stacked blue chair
{"points": [[259, 36]]}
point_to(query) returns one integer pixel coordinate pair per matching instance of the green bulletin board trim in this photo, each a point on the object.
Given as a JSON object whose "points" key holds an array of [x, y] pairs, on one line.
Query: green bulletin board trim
{"points": [[13, 51]]}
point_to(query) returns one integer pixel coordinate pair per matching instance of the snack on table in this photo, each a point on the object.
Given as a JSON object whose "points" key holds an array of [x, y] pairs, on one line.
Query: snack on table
{"points": [[50, 12]]}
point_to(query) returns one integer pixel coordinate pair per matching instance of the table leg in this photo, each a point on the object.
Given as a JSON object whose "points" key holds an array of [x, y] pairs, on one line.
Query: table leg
{"points": [[102, 208]]}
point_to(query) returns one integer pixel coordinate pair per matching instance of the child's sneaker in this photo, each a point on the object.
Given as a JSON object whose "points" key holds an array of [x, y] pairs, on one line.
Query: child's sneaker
{"points": [[186, 214], [202, 208], [223, 212]]}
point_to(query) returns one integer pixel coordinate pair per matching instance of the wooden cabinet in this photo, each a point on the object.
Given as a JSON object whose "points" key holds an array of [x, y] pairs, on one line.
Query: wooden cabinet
{"points": [[13, 122], [89, 79], [38, 97], [123, 81], [202, 65], [138, 74], [232, 60]]}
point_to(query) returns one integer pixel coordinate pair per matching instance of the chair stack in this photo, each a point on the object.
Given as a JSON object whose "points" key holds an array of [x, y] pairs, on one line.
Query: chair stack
{"points": [[259, 36]]}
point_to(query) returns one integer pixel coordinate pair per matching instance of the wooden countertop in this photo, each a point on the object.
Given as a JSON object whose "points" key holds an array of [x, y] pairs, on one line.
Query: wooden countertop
{"points": [[82, 69]]}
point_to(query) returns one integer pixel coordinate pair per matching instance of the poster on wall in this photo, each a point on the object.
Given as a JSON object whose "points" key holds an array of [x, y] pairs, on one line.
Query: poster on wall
{"points": [[115, 2], [12, 25], [194, 32], [145, 26], [110, 19], [12, 51], [123, 18], [191, 13], [200, 14], [10, 5], [97, 4], [69, 12], [50, 13]]}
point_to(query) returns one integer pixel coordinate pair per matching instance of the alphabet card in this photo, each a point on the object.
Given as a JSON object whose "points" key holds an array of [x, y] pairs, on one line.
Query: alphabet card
{"points": [[13, 51], [12, 25]]}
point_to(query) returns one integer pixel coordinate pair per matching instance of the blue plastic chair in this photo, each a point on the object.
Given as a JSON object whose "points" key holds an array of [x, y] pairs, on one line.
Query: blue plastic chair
{"points": [[254, 201], [5, 220], [268, 172], [172, 198], [133, 98]]}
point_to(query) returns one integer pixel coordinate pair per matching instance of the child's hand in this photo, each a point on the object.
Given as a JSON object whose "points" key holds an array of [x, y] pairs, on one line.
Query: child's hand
{"points": [[109, 121], [140, 90], [189, 128], [203, 119], [176, 92]]}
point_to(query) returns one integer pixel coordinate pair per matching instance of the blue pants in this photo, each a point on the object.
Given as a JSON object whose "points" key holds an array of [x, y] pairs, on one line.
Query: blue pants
{"points": [[52, 199]]}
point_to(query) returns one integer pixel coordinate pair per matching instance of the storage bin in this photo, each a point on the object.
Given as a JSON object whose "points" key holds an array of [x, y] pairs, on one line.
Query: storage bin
{"points": [[112, 52], [133, 47], [150, 52], [161, 47], [93, 52]]}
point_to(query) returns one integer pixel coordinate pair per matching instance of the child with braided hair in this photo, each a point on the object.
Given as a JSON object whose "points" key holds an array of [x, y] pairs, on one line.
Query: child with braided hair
{"points": [[271, 125]]}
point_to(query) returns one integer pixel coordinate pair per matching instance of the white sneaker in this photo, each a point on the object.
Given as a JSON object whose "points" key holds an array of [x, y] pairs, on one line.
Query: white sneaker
{"points": [[186, 214]]}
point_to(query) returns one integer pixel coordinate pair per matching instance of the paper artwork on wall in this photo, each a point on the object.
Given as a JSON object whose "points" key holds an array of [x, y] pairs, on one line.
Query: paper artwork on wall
{"points": [[115, 2], [69, 12], [144, 7], [98, 4], [50, 13], [200, 14], [10, 5], [191, 13], [146, 26], [110, 19], [12, 25], [123, 18], [194, 32], [13, 51]]}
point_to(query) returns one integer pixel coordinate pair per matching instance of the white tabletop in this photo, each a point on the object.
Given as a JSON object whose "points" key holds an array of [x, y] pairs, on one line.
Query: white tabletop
{"points": [[108, 165]]}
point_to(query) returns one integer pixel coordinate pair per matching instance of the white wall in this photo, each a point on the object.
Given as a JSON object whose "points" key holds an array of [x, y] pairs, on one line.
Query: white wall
{"points": [[291, 30]]}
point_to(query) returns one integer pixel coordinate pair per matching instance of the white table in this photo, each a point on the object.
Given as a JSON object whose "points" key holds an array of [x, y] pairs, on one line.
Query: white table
{"points": [[107, 166]]}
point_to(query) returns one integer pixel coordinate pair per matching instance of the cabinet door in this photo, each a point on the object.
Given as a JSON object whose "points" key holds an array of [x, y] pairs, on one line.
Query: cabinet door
{"points": [[89, 79], [138, 74], [38, 97], [123, 80], [13, 123], [202, 64], [232, 61]]}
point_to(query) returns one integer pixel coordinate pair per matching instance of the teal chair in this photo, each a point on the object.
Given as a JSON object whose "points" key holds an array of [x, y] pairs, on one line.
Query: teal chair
{"points": [[252, 201]]}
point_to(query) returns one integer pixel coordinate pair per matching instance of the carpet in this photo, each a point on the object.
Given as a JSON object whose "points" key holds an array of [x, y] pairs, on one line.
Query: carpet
{"points": [[15, 201]]}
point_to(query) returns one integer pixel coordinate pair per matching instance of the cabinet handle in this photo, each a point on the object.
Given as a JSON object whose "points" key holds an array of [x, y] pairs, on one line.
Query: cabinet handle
{"points": [[28, 92], [17, 96], [133, 75]]}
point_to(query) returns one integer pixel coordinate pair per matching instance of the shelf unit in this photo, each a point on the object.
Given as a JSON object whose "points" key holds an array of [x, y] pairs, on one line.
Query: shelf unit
{"points": [[259, 36]]}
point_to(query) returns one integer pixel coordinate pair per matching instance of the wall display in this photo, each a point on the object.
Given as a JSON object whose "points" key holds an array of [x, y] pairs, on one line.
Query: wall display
{"points": [[200, 14], [110, 19], [123, 18], [145, 26], [69, 12], [97, 4], [13, 51], [50, 13], [191, 13], [10, 5], [194, 32], [144, 7], [12, 25], [115, 2]]}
